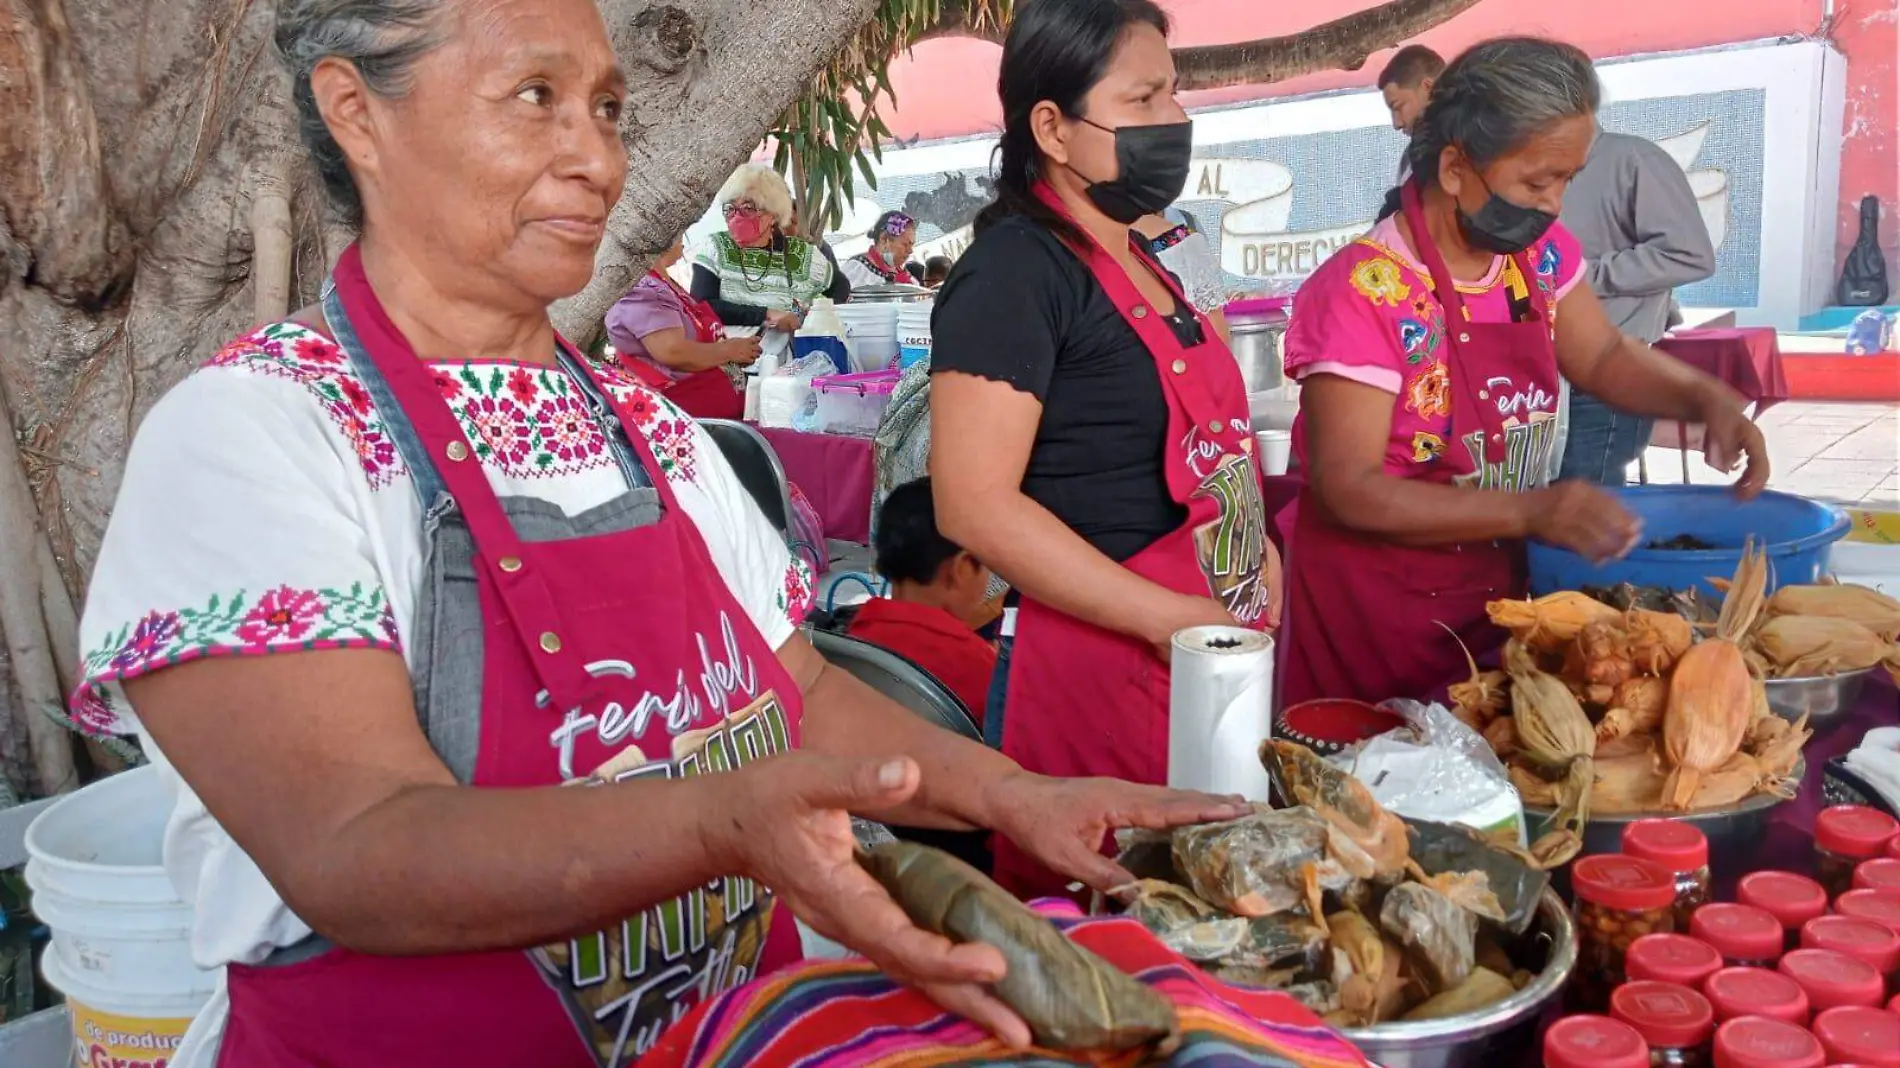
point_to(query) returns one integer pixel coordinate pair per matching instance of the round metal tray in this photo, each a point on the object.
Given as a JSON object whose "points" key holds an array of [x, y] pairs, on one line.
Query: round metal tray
{"points": [[1734, 833]]}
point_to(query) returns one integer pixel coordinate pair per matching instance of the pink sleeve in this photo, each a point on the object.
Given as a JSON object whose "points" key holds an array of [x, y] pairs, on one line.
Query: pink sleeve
{"points": [[1337, 329], [1561, 258]]}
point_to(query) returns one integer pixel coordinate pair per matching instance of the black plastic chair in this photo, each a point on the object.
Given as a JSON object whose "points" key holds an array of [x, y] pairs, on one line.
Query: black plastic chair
{"points": [[757, 465]]}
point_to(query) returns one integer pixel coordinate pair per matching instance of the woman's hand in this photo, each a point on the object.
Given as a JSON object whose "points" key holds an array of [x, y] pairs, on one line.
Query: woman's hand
{"points": [[789, 322], [1276, 585], [786, 824], [743, 351], [1187, 612], [1586, 519], [1730, 435], [1062, 822]]}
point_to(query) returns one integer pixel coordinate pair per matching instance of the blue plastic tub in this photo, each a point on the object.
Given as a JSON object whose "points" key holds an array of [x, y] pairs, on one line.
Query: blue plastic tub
{"points": [[1799, 535]]}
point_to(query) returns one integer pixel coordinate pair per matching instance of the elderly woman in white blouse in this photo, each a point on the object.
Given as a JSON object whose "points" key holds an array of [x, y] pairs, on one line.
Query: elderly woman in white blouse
{"points": [[384, 576]]}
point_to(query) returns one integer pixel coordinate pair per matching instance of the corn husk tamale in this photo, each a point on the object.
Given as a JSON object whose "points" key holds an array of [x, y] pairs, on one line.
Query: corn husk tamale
{"points": [[1711, 699], [1552, 732], [1870, 608], [1657, 640], [1550, 622], [1801, 647]]}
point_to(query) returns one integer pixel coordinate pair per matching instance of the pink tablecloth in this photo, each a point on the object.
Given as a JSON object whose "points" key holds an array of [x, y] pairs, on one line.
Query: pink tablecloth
{"points": [[1749, 360], [835, 473]]}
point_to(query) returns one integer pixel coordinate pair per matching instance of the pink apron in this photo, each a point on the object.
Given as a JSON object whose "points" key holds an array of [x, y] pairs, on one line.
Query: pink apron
{"points": [[1086, 701], [1363, 615], [602, 658], [705, 394]]}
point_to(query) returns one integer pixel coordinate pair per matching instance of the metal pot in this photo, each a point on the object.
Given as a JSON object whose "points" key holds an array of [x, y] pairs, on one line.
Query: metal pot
{"points": [[890, 294], [1503, 1033], [1259, 348]]}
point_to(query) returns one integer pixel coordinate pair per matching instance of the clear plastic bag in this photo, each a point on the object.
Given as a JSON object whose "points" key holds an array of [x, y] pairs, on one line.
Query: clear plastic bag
{"points": [[1258, 865], [1437, 769]]}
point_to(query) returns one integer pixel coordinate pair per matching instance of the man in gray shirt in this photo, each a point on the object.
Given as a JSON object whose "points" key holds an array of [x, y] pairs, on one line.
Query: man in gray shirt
{"points": [[1633, 211]]}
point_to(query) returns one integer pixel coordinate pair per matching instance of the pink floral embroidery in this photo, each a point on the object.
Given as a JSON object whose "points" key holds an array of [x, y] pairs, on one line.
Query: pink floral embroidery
{"points": [[568, 429], [316, 349], [521, 386], [281, 615], [798, 592], [450, 386], [150, 635], [502, 427], [356, 395]]}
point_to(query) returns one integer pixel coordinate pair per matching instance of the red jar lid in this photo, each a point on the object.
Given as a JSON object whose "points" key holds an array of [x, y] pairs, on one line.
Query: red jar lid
{"points": [[1861, 939], [1668, 1016], [1756, 992], [1893, 847], [1674, 844], [1854, 830], [1594, 1042], [1627, 884], [1862, 1035], [1758, 1042], [1833, 979], [1880, 873], [1671, 958], [1792, 899], [1880, 906], [1738, 932]]}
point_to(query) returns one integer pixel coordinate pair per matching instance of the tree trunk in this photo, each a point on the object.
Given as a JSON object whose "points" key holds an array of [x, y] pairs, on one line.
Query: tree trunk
{"points": [[1342, 44]]}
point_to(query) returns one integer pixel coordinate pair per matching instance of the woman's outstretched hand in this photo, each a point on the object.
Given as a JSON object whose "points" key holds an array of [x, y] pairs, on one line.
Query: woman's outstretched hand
{"points": [[786, 823], [1063, 822]]}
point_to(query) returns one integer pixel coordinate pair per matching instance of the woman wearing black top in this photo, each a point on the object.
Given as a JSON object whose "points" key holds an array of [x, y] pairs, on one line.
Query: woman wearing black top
{"points": [[1090, 437]]}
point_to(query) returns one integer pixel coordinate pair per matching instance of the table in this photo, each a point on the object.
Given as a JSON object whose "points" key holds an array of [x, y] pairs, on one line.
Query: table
{"points": [[1748, 360], [836, 473], [1789, 843]]}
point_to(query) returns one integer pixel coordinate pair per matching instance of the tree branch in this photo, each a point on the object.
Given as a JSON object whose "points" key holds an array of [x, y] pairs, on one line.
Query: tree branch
{"points": [[968, 18], [1342, 44]]}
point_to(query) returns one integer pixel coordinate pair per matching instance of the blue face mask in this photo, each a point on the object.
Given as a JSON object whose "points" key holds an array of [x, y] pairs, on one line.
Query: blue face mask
{"points": [[1501, 227]]}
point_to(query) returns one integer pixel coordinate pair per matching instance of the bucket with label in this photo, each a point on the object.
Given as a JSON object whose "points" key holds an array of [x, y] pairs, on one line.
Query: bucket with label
{"points": [[870, 334], [913, 332], [121, 939]]}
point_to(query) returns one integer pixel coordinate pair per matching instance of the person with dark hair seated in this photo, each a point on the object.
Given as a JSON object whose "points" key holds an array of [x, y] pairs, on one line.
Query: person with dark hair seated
{"points": [[939, 597], [936, 269]]}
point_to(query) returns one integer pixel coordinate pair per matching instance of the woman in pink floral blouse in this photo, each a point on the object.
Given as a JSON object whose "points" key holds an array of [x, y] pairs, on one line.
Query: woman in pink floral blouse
{"points": [[1432, 354]]}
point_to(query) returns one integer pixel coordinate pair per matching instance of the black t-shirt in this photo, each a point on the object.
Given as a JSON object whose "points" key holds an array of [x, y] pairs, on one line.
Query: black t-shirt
{"points": [[1019, 307]]}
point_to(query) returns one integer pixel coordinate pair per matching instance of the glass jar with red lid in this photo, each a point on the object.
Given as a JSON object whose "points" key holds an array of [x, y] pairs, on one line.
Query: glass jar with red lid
{"points": [[1671, 958], [1860, 1035], [1675, 1021], [1855, 937], [1744, 935], [1880, 873], [1844, 836], [1683, 849], [1833, 979], [1758, 1042], [1792, 899], [1735, 992], [1880, 906], [1619, 900], [1587, 1041]]}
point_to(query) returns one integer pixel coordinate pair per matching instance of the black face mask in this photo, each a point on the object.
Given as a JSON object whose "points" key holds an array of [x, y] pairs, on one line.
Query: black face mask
{"points": [[1152, 164], [1502, 227]]}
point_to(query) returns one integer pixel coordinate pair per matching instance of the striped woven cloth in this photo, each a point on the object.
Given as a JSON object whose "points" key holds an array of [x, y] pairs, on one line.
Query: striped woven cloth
{"points": [[834, 1014]]}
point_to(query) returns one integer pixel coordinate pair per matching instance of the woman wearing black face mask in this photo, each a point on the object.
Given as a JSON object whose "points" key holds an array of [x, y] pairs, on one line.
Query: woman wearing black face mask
{"points": [[1430, 352], [1090, 437]]}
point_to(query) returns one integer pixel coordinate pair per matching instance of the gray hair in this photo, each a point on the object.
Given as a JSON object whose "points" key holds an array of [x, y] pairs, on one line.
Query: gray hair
{"points": [[1499, 94], [382, 39]]}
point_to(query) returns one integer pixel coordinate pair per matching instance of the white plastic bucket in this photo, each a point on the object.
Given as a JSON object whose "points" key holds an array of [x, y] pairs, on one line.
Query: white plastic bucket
{"points": [[121, 938], [913, 332]]}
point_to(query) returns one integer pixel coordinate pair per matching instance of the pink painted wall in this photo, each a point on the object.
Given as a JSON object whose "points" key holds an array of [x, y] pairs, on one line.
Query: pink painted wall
{"points": [[946, 87]]}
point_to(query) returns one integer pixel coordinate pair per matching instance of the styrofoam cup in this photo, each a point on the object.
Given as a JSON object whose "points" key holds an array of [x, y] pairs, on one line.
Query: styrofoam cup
{"points": [[1275, 449]]}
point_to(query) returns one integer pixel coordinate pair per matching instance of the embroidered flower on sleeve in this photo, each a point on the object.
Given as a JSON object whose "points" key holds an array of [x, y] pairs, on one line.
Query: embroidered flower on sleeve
{"points": [[149, 637], [1427, 447], [1378, 280], [356, 395], [795, 598], [281, 615], [1428, 394], [313, 348]]}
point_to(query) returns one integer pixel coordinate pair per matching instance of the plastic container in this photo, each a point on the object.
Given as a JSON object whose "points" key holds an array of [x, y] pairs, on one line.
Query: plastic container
{"points": [[1758, 1042], [853, 404], [870, 334], [1880, 906], [1676, 1022], [1880, 873], [1844, 836], [1683, 849], [1792, 899], [1860, 1036], [1619, 900], [1586, 1041], [121, 938], [1832, 980], [913, 332], [1671, 958], [1736, 992], [1864, 940], [1800, 534], [1745, 936]]}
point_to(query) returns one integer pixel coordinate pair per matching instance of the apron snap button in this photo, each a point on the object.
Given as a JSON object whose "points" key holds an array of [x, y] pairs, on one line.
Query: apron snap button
{"points": [[1141, 311], [550, 642], [1214, 426], [457, 451], [1484, 395], [510, 564], [1179, 367], [1464, 337]]}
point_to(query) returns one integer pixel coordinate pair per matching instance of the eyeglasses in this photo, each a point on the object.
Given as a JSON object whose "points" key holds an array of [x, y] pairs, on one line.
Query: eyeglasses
{"points": [[740, 209]]}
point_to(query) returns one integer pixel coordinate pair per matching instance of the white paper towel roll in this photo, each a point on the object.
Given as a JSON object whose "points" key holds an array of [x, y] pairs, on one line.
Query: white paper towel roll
{"points": [[1220, 703]]}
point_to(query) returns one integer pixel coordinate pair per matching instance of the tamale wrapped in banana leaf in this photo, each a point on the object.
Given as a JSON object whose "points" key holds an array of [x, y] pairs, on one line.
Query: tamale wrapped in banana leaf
{"points": [[1440, 938], [1163, 906], [1442, 848], [1146, 854], [1285, 940], [1269, 862], [1071, 999]]}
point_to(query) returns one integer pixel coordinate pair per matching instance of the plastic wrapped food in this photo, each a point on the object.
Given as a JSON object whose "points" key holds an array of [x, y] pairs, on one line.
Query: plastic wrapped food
{"points": [[1163, 906], [1258, 865], [1516, 886], [1439, 937], [1146, 854], [1070, 998], [1482, 987], [1282, 941], [1304, 778]]}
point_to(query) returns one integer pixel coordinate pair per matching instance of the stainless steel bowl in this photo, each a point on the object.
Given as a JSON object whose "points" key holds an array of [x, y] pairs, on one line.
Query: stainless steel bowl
{"points": [[1734, 833], [1822, 697], [1257, 348], [1503, 1033]]}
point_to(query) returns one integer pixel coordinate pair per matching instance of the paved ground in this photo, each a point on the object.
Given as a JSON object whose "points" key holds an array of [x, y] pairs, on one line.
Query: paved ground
{"points": [[1844, 453]]}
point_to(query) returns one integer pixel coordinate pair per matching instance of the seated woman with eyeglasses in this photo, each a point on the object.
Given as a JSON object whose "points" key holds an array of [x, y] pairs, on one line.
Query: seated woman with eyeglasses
{"points": [[756, 273]]}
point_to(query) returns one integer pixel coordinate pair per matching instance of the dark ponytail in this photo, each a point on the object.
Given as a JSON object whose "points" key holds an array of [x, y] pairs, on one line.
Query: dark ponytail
{"points": [[1057, 50]]}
